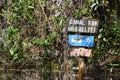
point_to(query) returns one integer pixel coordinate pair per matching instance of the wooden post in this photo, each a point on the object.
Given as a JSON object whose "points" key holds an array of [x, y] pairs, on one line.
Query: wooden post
{"points": [[81, 68]]}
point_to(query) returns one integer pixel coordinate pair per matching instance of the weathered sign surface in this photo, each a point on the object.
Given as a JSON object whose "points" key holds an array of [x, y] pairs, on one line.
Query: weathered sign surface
{"points": [[83, 25], [80, 40], [76, 52]]}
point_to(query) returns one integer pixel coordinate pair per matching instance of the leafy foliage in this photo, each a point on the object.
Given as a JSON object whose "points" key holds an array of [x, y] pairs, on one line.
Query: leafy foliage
{"points": [[34, 35]]}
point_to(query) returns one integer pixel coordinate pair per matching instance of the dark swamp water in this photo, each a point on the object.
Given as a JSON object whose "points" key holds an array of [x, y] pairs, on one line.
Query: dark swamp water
{"points": [[41, 75]]}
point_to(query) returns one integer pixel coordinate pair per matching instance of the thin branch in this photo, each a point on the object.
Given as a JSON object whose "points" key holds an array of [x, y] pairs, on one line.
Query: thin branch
{"points": [[44, 13], [108, 60]]}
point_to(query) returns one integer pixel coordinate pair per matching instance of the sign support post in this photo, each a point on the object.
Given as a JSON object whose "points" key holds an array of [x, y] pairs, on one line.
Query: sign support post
{"points": [[81, 68]]}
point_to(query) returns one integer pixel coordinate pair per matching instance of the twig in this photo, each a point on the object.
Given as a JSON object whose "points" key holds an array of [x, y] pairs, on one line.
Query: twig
{"points": [[44, 13], [109, 60]]}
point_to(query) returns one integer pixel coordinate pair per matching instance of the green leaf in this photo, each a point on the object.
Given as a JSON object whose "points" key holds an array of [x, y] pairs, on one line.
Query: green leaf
{"points": [[15, 57], [31, 7], [101, 30], [11, 51], [36, 41], [104, 39], [46, 42], [93, 5], [100, 36], [68, 2]]}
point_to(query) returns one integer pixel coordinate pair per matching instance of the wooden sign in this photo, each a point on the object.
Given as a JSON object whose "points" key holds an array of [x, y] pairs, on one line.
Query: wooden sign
{"points": [[84, 52], [83, 25]]}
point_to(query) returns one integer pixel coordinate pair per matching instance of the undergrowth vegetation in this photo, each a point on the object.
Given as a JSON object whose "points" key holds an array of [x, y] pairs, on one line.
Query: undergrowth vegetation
{"points": [[32, 31]]}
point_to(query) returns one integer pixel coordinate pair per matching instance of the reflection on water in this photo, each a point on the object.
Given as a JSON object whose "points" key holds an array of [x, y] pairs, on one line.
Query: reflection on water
{"points": [[38, 75]]}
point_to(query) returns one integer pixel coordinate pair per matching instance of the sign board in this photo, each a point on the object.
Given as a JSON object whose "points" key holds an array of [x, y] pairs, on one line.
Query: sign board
{"points": [[84, 52], [80, 40], [83, 25]]}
